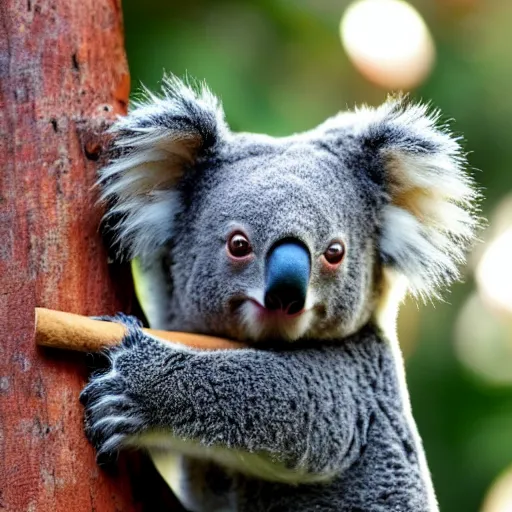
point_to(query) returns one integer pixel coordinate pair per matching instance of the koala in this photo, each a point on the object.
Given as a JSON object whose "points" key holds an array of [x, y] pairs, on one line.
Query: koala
{"points": [[302, 247]]}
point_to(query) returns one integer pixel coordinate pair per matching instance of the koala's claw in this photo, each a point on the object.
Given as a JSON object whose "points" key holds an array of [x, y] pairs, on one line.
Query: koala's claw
{"points": [[111, 415]]}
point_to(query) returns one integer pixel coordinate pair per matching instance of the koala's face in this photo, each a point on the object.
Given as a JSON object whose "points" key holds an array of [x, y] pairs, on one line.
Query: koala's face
{"points": [[287, 238], [277, 242]]}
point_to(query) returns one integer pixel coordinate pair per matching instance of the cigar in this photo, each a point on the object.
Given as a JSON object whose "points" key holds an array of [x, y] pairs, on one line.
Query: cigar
{"points": [[58, 329]]}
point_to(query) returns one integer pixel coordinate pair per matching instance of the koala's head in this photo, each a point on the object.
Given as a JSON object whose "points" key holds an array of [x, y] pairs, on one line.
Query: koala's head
{"points": [[287, 237]]}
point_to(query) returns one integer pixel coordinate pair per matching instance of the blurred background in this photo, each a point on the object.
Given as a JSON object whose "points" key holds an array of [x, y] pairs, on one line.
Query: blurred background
{"points": [[282, 66]]}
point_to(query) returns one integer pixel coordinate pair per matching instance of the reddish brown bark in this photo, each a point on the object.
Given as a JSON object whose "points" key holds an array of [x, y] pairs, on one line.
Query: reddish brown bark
{"points": [[63, 77]]}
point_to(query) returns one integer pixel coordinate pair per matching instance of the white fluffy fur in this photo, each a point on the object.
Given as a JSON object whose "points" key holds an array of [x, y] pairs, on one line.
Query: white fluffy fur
{"points": [[155, 144], [274, 324], [430, 219], [164, 445]]}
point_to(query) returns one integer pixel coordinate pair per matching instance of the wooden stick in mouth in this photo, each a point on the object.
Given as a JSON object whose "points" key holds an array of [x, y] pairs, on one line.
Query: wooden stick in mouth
{"points": [[58, 329]]}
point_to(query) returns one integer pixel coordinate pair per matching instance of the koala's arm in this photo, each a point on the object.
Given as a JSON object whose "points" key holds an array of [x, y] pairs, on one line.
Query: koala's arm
{"points": [[294, 407]]}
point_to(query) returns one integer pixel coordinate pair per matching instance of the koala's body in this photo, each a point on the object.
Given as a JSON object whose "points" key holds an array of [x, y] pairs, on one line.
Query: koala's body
{"points": [[302, 246]]}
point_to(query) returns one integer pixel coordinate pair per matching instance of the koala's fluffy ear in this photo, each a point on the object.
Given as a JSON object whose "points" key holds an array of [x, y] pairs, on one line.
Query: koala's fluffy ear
{"points": [[429, 215], [152, 147]]}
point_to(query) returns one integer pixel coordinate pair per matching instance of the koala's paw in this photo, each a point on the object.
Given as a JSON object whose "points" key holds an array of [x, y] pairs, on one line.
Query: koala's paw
{"points": [[112, 413]]}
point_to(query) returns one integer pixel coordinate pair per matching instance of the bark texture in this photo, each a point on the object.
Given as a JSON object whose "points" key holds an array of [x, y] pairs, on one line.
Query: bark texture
{"points": [[63, 78]]}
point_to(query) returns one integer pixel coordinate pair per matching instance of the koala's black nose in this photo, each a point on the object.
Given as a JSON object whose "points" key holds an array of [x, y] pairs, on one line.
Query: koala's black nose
{"points": [[287, 276]]}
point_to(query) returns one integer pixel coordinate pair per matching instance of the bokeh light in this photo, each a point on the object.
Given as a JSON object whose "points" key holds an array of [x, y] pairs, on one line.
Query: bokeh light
{"points": [[494, 272], [483, 331], [483, 341], [499, 498], [388, 42]]}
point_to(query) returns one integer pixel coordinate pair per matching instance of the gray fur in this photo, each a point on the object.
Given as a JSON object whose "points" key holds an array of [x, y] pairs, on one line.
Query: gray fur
{"points": [[327, 410], [333, 406]]}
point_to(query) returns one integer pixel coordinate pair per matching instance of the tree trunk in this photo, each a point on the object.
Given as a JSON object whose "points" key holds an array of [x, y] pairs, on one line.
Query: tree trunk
{"points": [[63, 78]]}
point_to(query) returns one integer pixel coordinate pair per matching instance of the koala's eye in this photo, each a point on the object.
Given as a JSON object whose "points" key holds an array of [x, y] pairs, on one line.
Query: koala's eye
{"points": [[239, 246], [334, 253]]}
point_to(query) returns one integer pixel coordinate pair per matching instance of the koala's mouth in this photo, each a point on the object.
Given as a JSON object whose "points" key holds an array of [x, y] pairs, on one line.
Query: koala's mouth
{"points": [[290, 312], [260, 323]]}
